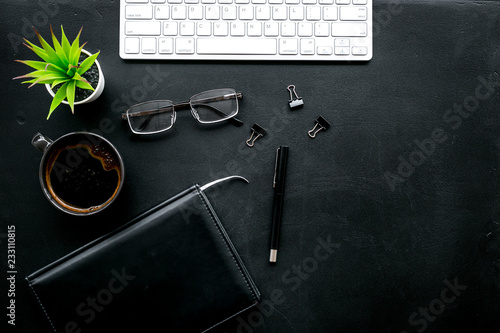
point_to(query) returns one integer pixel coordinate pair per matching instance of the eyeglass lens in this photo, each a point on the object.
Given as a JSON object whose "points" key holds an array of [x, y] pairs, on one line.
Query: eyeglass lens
{"points": [[151, 117], [214, 105]]}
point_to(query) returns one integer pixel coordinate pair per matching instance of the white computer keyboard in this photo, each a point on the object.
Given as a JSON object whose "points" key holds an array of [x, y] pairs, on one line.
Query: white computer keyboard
{"points": [[246, 29]]}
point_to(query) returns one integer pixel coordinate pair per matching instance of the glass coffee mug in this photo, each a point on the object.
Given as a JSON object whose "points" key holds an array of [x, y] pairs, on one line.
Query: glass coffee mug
{"points": [[81, 173]]}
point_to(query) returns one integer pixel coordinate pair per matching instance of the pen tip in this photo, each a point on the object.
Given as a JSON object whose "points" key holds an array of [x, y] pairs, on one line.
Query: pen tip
{"points": [[273, 255]]}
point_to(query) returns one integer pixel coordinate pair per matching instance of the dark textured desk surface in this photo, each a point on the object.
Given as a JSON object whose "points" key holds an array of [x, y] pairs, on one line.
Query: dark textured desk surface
{"points": [[404, 186]]}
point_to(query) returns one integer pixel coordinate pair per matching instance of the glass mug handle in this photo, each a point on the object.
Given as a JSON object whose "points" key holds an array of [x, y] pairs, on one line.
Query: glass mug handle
{"points": [[41, 142]]}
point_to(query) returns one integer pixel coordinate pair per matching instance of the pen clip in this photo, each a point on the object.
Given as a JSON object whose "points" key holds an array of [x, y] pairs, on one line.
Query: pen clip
{"points": [[276, 167]]}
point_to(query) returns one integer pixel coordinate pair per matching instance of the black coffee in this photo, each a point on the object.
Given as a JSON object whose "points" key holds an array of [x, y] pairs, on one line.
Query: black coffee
{"points": [[83, 177]]}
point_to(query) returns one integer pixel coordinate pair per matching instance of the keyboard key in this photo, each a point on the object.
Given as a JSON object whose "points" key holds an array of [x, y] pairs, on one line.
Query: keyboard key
{"points": [[321, 29], [330, 13], [288, 29], [271, 29], [279, 13], [313, 13], [146, 28], [254, 29], [343, 50], [136, 1], [139, 12], [170, 29], [220, 29], [149, 45], [162, 12], [203, 28], [296, 13], [305, 29], [229, 12], [263, 13], [212, 12], [339, 42], [227, 46], [237, 28], [246, 12], [288, 46], [353, 13], [359, 50], [347, 29], [166, 45], [184, 45], [325, 50], [307, 46], [195, 12], [186, 28], [132, 44], [179, 12]]}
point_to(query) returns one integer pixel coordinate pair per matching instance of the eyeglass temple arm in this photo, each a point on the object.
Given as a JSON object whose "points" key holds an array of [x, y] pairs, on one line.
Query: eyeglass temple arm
{"points": [[180, 105]]}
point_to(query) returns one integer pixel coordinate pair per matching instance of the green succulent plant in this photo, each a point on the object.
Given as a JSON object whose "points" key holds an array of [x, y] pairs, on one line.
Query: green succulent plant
{"points": [[60, 66]]}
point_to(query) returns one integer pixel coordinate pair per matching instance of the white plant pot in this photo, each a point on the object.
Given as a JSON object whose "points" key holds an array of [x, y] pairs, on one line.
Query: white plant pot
{"points": [[97, 92]]}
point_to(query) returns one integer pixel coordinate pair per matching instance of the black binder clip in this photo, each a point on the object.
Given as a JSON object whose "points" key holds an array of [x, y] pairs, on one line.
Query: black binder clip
{"points": [[295, 101], [321, 124], [257, 132]]}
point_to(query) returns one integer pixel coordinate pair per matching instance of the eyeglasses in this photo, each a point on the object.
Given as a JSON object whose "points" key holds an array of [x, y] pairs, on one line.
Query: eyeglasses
{"points": [[208, 107]]}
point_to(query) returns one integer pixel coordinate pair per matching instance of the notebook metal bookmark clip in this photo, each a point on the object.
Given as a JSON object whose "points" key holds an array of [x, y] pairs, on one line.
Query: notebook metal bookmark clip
{"points": [[257, 132], [295, 101], [321, 124]]}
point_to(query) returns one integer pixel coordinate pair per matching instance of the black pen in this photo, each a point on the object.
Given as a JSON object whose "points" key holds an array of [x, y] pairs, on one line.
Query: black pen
{"points": [[279, 193]]}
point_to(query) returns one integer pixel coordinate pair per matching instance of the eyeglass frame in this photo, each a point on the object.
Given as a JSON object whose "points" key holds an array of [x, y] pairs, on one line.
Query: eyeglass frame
{"points": [[183, 105]]}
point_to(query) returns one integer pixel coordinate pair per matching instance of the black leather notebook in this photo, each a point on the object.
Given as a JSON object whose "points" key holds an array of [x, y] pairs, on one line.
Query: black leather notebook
{"points": [[171, 269]]}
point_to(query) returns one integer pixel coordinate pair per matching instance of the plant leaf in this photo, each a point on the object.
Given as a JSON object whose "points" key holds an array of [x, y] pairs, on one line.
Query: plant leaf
{"points": [[66, 46], [37, 74], [23, 77], [33, 64], [53, 57], [74, 52], [77, 38], [87, 63], [84, 84], [48, 78], [74, 55], [42, 66], [70, 94], [58, 98], [29, 81], [57, 82], [38, 50], [72, 70], [79, 77], [58, 48]]}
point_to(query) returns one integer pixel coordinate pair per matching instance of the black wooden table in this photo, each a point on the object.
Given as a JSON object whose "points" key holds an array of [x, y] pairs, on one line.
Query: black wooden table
{"points": [[391, 217]]}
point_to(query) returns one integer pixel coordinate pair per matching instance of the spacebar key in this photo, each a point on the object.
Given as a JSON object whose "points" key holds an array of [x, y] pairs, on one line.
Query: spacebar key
{"points": [[236, 46]]}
